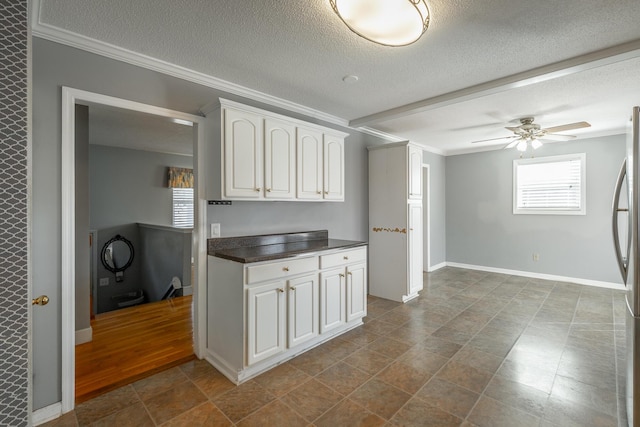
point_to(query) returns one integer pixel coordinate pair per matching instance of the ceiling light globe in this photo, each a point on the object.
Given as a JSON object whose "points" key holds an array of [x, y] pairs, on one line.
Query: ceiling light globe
{"points": [[536, 144], [522, 146], [386, 22]]}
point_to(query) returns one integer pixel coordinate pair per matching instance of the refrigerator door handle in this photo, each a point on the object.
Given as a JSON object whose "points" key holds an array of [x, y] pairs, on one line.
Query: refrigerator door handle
{"points": [[622, 263]]}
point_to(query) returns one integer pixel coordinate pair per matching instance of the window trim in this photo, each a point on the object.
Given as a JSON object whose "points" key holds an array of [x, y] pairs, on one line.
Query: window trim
{"points": [[552, 159]]}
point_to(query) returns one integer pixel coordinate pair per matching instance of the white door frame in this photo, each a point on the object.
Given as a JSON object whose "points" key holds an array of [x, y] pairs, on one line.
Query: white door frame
{"points": [[71, 97], [426, 206]]}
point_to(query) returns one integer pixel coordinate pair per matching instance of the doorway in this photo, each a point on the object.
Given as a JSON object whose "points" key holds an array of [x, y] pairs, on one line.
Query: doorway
{"points": [[71, 98], [426, 217]]}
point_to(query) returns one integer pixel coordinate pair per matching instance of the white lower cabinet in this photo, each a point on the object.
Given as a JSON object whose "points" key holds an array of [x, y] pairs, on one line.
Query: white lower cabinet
{"points": [[265, 321], [333, 299], [262, 314]]}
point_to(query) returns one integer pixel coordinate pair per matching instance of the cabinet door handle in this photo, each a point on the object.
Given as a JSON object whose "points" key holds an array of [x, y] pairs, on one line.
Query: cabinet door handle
{"points": [[285, 268], [350, 273], [326, 192], [268, 190], [319, 192], [258, 189], [341, 275], [280, 290], [292, 288], [345, 257]]}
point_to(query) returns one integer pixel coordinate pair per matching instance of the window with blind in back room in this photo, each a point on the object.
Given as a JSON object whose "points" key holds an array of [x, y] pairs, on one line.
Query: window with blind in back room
{"points": [[182, 214], [550, 185]]}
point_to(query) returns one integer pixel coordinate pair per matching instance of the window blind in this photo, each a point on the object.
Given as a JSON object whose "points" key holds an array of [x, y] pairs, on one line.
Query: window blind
{"points": [[182, 214], [554, 185]]}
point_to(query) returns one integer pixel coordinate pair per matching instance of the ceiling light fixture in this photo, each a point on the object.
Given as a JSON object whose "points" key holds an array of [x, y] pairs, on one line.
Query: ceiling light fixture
{"points": [[386, 22]]}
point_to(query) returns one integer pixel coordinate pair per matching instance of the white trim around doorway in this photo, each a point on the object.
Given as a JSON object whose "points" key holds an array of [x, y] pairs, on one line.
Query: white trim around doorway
{"points": [[71, 97]]}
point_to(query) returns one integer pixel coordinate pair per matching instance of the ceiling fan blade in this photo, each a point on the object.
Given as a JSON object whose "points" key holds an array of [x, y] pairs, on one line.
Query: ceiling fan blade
{"points": [[556, 137], [570, 126], [496, 139]]}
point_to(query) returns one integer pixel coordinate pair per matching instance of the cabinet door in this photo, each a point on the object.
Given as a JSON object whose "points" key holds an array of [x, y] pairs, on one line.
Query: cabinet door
{"points": [[309, 165], [243, 156], [265, 321], [333, 168], [415, 173], [356, 291], [279, 159], [303, 309], [332, 299], [415, 248]]}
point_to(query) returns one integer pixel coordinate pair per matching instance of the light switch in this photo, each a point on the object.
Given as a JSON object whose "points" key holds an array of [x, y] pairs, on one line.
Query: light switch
{"points": [[215, 230]]}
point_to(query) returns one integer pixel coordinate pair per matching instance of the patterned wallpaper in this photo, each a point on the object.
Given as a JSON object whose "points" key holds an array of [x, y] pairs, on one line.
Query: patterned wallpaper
{"points": [[14, 308]]}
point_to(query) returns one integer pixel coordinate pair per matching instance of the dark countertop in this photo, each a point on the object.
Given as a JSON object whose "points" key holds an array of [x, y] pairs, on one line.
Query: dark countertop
{"points": [[247, 249]]}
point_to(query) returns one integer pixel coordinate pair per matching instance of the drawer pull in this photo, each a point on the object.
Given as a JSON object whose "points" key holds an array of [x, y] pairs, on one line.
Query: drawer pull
{"points": [[319, 192], [326, 192], [341, 275], [350, 273], [285, 268], [280, 290], [345, 257]]}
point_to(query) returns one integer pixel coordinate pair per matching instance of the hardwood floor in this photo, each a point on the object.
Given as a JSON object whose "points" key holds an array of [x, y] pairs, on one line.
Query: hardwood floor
{"points": [[133, 343]]}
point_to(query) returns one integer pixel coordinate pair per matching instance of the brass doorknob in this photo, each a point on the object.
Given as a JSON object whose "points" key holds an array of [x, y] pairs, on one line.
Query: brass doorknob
{"points": [[41, 300]]}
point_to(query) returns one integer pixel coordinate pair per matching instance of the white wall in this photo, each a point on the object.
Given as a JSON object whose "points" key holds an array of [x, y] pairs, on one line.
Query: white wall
{"points": [[482, 230]]}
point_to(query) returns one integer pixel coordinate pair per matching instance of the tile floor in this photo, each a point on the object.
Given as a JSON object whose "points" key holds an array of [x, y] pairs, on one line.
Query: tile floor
{"points": [[475, 349]]}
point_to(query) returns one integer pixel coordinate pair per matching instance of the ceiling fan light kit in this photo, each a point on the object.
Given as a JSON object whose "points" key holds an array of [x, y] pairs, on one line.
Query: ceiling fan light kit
{"points": [[386, 22]]}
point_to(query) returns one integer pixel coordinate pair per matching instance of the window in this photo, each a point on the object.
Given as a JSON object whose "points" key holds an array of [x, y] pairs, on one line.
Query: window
{"points": [[182, 214], [550, 185]]}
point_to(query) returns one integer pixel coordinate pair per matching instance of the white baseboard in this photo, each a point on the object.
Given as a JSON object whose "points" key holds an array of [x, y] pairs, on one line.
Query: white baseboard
{"points": [[84, 335], [48, 413], [436, 267], [588, 282]]}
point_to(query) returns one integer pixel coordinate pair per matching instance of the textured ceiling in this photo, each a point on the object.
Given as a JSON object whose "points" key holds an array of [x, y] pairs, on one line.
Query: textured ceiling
{"points": [[300, 51]]}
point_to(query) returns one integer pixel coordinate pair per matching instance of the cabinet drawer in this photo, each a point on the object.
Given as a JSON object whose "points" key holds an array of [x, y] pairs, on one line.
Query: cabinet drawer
{"points": [[343, 257], [274, 270]]}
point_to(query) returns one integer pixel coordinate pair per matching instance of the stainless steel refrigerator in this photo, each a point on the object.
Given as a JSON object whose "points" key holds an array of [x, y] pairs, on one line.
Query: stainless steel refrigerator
{"points": [[626, 215]]}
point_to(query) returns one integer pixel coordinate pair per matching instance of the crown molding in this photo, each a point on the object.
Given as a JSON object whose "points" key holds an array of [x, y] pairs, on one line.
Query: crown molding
{"points": [[68, 38]]}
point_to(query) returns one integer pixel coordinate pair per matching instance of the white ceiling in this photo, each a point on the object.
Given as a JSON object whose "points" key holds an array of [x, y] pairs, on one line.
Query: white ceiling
{"points": [[480, 66], [117, 127]]}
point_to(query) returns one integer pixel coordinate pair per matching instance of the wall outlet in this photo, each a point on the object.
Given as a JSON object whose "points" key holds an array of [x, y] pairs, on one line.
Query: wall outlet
{"points": [[536, 257], [104, 281], [215, 230]]}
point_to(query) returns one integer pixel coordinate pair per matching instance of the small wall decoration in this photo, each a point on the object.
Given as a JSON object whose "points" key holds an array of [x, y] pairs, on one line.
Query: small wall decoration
{"points": [[180, 178]]}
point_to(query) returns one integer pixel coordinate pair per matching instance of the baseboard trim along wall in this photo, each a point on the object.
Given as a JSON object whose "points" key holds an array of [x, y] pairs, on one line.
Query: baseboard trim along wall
{"points": [[436, 267], [46, 414], [588, 282], [84, 335]]}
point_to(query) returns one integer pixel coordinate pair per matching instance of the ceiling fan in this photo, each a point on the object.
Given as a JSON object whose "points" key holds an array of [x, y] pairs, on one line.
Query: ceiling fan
{"points": [[531, 133]]}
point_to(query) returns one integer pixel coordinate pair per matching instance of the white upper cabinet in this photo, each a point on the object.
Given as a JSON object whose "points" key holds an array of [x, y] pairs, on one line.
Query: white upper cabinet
{"points": [[415, 172], [243, 156], [267, 156], [333, 168], [310, 171], [279, 159]]}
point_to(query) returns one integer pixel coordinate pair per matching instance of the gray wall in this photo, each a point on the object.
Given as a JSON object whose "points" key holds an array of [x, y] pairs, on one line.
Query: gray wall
{"points": [[482, 230], [54, 66], [163, 254], [438, 207], [14, 300], [130, 186], [83, 249]]}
